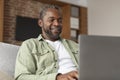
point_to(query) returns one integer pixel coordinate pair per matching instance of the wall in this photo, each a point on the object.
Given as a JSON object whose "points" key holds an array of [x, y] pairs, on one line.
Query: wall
{"points": [[31, 8], [104, 17], [12, 8], [76, 2], [1, 19]]}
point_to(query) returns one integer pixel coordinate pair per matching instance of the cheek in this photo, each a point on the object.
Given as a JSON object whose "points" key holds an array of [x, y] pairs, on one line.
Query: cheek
{"points": [[47, 24]]}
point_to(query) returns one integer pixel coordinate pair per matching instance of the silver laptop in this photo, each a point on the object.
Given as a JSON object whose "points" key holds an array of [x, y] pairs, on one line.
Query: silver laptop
{"points": [[99, 57]]}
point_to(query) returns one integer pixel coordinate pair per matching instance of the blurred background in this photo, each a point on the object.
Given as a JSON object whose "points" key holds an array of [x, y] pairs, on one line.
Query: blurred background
{"points": [[18, 19]]}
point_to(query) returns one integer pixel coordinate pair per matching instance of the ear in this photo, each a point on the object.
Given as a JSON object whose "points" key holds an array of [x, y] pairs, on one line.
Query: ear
{"points": [[40, 22]]}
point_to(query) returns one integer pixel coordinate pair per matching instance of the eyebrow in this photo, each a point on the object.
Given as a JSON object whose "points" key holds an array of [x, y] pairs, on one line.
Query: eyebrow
{"points": [[54, 18]]}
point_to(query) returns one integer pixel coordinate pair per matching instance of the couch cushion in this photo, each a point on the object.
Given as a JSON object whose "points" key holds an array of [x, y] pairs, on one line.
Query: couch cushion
{"points": [[8, 53], [4, 76]]}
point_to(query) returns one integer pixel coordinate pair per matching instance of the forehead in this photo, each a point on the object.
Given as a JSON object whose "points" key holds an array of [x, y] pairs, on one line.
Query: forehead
{"points": [[52, 13]]}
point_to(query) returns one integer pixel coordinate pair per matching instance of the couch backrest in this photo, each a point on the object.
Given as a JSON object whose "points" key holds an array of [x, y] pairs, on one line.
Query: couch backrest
{"points": [[8, 53]]}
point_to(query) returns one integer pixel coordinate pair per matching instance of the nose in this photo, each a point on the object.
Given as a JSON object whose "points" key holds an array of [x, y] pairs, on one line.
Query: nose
{"points": [[56, 23]]}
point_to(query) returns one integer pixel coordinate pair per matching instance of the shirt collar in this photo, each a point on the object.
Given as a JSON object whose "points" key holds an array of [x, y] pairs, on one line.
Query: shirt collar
{"points": [[40, 38]]}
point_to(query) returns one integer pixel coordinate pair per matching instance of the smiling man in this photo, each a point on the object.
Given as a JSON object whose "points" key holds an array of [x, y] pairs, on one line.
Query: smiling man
{"points": [[48, 57]]}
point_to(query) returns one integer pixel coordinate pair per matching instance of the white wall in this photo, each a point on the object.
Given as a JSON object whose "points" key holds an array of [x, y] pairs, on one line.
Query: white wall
{"points": [[104, 17], [76, 2]]}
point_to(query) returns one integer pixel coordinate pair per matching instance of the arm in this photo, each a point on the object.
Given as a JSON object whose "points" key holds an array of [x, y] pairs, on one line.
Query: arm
{"points": [[73, 75], [26, 66]]}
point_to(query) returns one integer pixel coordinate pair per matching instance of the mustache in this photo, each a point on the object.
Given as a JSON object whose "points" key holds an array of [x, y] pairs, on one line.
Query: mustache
{"points": [[56, 28]]}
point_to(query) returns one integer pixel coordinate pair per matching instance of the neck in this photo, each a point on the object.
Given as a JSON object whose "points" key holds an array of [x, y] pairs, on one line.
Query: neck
{"points": [[48, 38]]}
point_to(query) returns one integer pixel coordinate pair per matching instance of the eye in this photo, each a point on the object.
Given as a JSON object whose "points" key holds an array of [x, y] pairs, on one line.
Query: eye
{"points": [[51, 20], [60, 20]]}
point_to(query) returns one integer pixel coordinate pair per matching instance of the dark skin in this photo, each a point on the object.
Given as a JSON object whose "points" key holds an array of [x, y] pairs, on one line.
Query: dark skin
{"points": [[51, 25]]}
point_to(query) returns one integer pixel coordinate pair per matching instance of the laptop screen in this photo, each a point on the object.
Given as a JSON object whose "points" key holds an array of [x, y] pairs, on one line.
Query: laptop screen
{"points": [[99, 57]]}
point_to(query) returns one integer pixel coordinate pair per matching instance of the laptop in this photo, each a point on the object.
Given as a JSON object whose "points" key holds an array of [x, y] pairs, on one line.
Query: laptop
{"points": [[99, 57]]}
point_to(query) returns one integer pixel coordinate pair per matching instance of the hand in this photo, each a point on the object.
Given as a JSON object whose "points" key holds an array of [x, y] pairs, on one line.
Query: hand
{"points": [[73, 75]]}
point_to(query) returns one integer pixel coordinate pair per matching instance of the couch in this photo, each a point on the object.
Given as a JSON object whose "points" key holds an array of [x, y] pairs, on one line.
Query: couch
{"points": [[8, 53]]}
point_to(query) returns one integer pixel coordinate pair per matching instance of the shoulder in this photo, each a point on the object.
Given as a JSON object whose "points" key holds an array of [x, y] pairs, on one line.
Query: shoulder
{"points": [[30, 43], [71, 43]]}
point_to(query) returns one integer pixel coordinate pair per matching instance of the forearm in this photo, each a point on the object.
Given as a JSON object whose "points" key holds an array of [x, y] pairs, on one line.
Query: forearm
{"points": [[51, 76]]}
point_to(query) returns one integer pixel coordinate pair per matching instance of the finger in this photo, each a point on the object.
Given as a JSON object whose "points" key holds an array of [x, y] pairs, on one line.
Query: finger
{"points": [[71, 78], [74, 74]]}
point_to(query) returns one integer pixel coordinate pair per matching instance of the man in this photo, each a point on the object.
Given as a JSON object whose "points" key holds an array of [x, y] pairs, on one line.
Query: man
{"points": [[48, 57]]}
